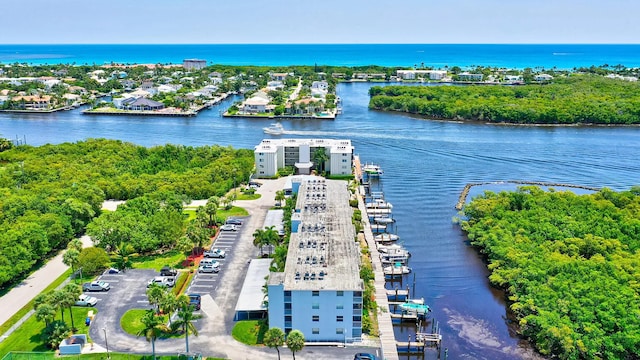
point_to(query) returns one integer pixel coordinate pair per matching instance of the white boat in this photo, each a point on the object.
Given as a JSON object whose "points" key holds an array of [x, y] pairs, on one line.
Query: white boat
{"points": [[384, 220], [397, 257], [396, 270], [385, 249], [373, 170], [274, 129], [378, 228], [386, 237], [379, 204]]}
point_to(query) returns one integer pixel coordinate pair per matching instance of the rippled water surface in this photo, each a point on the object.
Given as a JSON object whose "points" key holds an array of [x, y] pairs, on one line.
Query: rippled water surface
{"points": [[426, 164]]}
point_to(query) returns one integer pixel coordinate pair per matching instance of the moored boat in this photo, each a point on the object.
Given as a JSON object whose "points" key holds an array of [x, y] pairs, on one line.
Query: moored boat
{"points": [[396, 270], [372, 170], [379, 204], [384, 220], [415, 308], [386, 237]]}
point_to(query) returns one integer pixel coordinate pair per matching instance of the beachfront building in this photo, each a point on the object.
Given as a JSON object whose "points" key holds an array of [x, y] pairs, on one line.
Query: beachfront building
{"points": [[320, 290], [422, 74], [274, 154], [194, 64]]}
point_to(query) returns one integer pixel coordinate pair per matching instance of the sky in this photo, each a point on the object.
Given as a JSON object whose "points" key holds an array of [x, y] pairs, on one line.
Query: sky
{"points": [[325, 21]]}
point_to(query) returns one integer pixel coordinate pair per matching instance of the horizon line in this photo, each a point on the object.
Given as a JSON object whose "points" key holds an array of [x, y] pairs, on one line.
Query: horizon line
{"points": [[346, 44]]}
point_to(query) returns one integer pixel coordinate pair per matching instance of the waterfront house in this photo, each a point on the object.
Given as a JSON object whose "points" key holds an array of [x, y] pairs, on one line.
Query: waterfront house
{"points": [[513, 79], [32, 102], [360, 76], [275, 85], [465, 76], [338, 75], [255, 104], [144, 104], [140, 93], [377, 76], [320, 290]]}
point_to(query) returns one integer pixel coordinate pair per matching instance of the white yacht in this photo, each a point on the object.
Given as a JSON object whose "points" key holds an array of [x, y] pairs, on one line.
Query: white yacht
{"points": [[274, 129]]}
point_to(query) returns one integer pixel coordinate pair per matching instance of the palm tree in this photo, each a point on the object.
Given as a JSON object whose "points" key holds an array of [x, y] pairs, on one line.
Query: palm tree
{"points": [[58, 299], [185, 322], [295, 342], [197, 235], [280, 197], [271, 237], [45, 313], [155, 293], [274, 338], [320, 157], [168, 303], [211, 208], [70, 258], [153, 328], [41, 299], [71, 292]]}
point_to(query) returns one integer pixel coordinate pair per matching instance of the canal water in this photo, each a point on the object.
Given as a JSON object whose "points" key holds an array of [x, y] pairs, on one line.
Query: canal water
{"points": [[426, 165]]}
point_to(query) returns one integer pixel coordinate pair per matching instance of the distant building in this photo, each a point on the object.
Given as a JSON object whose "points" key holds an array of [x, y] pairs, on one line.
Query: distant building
{"points": [[465, 76], [279, 76], [194, 64], [513, 79], [274, 154], [424, 74], [543, 77], [144, 104], [320, 290], [41, 102], [256, 104]]}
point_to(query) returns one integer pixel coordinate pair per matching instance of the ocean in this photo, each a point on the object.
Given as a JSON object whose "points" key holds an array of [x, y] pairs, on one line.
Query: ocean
{"points": [[561, 56]]}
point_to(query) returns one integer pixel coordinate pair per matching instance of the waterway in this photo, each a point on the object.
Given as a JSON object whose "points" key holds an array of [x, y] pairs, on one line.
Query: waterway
{"points": [[426, 164]]}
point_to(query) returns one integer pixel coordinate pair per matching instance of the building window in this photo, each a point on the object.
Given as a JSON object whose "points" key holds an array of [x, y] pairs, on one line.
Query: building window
{"points": [[315, 306], [315, 293], [339, 293], [339, 306], [315, 318], [261, 172], [339, 318], [287, 293], [343, 160], [357, 293], [315, 331], [339, 331], [261, 160]]}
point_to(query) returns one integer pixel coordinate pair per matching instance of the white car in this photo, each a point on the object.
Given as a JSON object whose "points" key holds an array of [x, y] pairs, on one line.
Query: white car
{"points": [[163, 281], [86, 300], [209, 268], [215, 253], [228, 227]]}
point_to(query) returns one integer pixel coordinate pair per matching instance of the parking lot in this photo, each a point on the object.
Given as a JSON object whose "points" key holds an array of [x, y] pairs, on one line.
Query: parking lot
{"points": [[207, 283]]}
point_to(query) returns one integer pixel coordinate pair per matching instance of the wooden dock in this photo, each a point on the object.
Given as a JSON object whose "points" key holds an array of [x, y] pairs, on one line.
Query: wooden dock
{"points": [[385, 324], [411, 317]]}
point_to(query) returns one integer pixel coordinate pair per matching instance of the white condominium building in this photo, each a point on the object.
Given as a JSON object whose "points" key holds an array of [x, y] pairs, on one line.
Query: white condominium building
{"points": [[320, 291], [274, 154]]}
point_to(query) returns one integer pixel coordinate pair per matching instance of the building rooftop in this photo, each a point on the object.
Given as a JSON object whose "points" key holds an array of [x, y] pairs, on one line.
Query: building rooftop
{"points": [[251, 296], [336, 145], [323, 254]]}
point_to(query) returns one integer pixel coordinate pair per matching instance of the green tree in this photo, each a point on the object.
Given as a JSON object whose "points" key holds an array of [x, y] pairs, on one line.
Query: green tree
{"points": [[211, 208], [71, 294], [185, 322], [155, 294], [45, 313], [319, 158], [58, 298], [274, 338], [153, 328], [93, 260], [295, 342], [71, 258], [280, 197]]}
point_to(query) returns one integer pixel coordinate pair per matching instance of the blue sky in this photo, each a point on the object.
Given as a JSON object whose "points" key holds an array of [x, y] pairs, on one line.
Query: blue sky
{"points": [[326, 21]]}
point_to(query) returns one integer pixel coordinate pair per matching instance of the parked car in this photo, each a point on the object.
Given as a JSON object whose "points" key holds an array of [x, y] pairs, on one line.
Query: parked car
{"points": [[96, 286], [195, 300], [207, 261], [215, 253], [209, 268], [364, 356], [168, 271], [163, 281], [228, 227], [113, 271], [86, 300], [233, 221]]}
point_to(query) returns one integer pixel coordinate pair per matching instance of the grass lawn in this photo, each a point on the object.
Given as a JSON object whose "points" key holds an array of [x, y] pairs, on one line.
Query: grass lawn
{"points": [[249, 196], [250, 332], [221, 215], [25, 309], [172, 258], [27, 337], [131, 321]]}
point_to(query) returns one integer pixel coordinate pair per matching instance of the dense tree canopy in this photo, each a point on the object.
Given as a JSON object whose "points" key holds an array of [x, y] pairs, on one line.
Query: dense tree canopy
{"points": [[577, 99], [50, 193], [570, 265]]}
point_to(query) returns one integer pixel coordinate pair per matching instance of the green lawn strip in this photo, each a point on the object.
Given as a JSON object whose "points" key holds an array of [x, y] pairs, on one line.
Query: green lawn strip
{"points": [[181, 282], [28, 336], [249, 196], [250, 332], [172, 258], [131, 321], [221, 215], [97, 356], [29, 306]]}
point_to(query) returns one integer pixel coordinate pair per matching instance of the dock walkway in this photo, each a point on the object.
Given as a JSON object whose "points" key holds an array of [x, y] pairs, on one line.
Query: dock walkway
{"points": [[385, 326]]}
